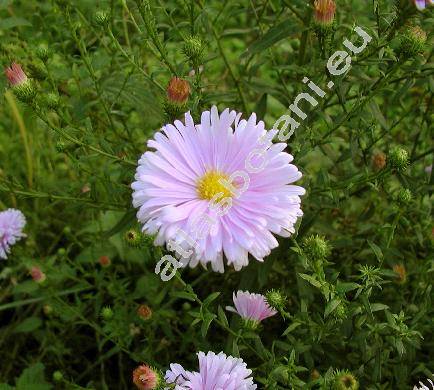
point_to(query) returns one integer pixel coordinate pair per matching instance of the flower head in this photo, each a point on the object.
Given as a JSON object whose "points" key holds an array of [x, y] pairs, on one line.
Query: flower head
{"points": [[146, 378], [37, 275], [217, 189], [216, 371], [144, 312], [16, 75], [20, 83], [178, 90], [104, 261], [344, 380], [324, 12], [422, 4], [401, 273], [251, 307], [12, 223]]}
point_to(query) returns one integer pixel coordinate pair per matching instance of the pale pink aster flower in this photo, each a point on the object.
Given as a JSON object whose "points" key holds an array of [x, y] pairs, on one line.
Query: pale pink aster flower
{"points": [[424, 386], [422, 4], [16, 75], [216, 372], [251, 306], [196, 190], [12, 223]]}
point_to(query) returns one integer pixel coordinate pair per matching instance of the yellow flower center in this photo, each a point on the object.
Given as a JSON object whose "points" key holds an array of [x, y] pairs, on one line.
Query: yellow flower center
{"points": [[211, 184]]}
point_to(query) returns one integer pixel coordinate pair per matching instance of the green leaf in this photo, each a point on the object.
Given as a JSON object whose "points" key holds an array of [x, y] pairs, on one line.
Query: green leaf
{"points": [[377, 251], [5, 386], [211, 298], [344, 287], [209, 317], [12, 22], [311, 280], [28, 325], [222, 316], [33, 378], [331, 306], [272, 36], [378, 307], [184, 295]]}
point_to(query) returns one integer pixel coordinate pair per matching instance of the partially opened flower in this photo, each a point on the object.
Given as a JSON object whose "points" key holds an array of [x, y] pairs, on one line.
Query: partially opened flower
{"points": [[251, 307], [216, 371], [12, 223], [147, 378], [16, 75], [217, 189]]}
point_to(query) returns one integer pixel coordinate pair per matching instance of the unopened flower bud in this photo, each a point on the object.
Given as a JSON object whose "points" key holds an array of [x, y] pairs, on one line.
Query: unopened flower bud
{"points": [[398, 159], [102, 18], [324, 13], [147, 378], [104, 261], [42, 52], [276, 299], [106, 313], [194, 50], [401, 273], [379, 161], [344, 380], [412, 41], [178, 91], [404, 196], [51, 100], [144, 312], [37, 275], [38, 70], [134, 238], [316, 247], [57, 376]]}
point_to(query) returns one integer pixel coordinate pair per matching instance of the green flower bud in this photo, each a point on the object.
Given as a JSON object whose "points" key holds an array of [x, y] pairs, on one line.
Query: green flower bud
{"points": [[57, 376], [106, 313], [51, 100], [37, 71], [276, 299], [101, 18], [134, 238], [194, 49], [42, 53], [316, 247], [344, 380], [25, 92], [398, 159], [412, 42], [404, 196]]}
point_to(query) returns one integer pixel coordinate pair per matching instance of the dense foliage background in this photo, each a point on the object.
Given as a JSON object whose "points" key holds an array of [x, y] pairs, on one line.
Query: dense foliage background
{"points": [[68, 158]]}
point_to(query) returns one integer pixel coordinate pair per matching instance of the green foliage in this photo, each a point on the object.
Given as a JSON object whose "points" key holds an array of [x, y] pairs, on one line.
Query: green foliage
{"points": [[69, 142]]}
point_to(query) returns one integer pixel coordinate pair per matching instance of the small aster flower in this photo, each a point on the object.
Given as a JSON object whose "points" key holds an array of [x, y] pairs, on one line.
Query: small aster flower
{"points": [[216, 371], [146, 378], [251, 307], [202, 189], [16, 75], [422, 4], [12, 223], [429, 385]]}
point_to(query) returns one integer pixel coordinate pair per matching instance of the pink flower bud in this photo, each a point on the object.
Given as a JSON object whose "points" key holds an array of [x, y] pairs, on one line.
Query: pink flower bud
{"points": [[145, 378], [37, 275], [16, 75], [324, 11]]}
